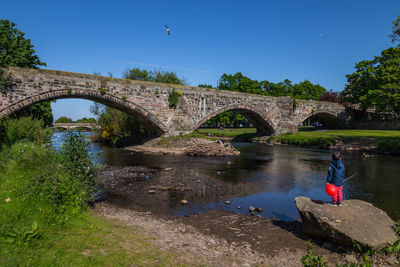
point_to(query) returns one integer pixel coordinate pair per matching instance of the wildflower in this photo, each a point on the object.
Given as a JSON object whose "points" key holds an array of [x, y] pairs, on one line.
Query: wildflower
{"points": [[8, 199]]}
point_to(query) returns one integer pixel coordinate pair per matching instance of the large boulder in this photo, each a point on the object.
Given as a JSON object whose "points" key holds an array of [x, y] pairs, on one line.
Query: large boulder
{"points": [[355, 220]]}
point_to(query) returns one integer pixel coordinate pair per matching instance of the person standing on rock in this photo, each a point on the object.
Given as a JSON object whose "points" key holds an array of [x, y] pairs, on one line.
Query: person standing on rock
{"points": [[336, 177]]}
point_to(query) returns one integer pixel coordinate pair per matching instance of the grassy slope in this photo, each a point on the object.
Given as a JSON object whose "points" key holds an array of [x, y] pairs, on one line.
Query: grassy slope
{"points": [[231, 132], [376, 135], [91, 241]]}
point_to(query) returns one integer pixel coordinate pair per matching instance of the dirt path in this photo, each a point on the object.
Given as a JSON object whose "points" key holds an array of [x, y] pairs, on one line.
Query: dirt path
{"points": [[219, 238]]}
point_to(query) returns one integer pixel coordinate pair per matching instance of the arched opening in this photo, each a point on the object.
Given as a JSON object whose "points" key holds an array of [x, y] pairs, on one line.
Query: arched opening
{"points": [[321, 120], [237, 121], [152, 125], [143, 119]]}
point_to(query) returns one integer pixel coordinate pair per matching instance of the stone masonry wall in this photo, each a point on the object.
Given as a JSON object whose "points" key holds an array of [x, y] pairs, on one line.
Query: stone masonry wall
{"points": [[149, 101]]}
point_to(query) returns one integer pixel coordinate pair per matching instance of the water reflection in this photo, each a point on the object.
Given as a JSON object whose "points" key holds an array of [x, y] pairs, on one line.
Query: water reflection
{"points": [[269, 177]]}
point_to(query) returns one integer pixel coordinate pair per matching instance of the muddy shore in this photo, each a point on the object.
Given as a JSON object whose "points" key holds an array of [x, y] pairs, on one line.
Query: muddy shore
{"points": [[186, 146], [212, 238]]}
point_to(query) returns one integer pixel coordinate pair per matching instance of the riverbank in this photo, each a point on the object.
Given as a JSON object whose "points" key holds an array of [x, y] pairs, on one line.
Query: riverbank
{"points": [[141, 196], [191, 145], [219, 238], [369, 141]]}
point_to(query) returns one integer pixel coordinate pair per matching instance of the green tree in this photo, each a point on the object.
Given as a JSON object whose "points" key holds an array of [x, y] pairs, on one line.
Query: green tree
{"points": [[87, 120], [137, 74], [205, 85], [17, 51], [395, 35], [376, 83], [240, 83], [64, 119], [307, 91], [153, 76], [284, 88]]}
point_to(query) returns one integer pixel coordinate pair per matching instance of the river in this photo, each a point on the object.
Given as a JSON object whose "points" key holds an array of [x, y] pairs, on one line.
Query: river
{"points": [[268, 177]]}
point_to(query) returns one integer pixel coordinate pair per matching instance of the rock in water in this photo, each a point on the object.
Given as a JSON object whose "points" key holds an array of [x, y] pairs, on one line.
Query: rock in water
{"points": [[184, 201], [252, 209], [227, 202], [259, 209], [355, 220]]}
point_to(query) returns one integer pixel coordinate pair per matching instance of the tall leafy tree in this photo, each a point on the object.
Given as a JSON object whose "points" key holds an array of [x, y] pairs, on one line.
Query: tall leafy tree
{"points": [[240, 83], [205, 85], [395, 35], [16, 50], [159, 76], [376, 83], [307, 91]]}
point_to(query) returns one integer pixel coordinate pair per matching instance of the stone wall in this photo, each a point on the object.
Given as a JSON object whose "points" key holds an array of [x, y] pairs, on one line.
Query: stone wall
{"points": [[376, 125], [148, 101]]}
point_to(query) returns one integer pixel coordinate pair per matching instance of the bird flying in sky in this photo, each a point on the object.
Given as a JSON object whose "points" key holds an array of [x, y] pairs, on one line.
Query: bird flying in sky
{"points": [[168, 30]]}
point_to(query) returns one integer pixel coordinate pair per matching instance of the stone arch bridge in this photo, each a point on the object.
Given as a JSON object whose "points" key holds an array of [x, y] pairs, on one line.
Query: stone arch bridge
{"points": [[74, 125], [148, 101]]}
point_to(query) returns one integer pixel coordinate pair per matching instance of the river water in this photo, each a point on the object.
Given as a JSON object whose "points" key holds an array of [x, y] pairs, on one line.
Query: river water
{"points": [[269, 177]]}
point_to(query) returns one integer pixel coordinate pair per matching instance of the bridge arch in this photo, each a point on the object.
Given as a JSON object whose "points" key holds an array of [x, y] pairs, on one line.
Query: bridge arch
{"points": [[261, 121], [155, 126], [329, 118]]}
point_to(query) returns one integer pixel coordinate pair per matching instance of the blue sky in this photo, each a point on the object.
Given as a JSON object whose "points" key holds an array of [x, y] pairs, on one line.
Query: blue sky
{"points": [[265, 40]]}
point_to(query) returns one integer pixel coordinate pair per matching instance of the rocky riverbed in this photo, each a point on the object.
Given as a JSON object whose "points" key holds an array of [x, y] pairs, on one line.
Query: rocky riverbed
{"points": [[213, 238], [186, 146]]}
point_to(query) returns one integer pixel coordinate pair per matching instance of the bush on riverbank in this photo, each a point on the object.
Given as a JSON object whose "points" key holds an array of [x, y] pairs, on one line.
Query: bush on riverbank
{"points": [[24, 128], [41, 190]]}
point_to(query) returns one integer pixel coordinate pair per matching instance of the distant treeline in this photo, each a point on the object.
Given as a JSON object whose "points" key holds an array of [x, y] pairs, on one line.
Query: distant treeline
{"points": [[65, 119]]}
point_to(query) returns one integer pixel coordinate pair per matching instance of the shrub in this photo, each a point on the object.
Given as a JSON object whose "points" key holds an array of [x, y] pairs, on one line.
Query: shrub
{"points": [[103, 90], [173, 98], [44, 190], [40, 193], [310, 260], [78, 161], [25, 128], [124, 97]]}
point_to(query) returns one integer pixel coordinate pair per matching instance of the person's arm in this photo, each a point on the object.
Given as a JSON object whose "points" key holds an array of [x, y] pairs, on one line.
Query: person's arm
{"points": [[330, 175]]}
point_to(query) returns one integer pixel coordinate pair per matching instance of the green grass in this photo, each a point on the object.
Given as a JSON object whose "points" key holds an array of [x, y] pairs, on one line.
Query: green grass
{"points": [[167, 141], [343, 134], [237, 134], [387, 141], [44, 220], [90, 241], [228, 132]]}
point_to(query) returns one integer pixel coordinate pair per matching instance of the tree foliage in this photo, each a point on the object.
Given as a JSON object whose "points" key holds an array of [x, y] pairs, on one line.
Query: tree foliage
{"points": [[395, 35], [376, 83], [116, 124], [17, 51], [240, 83], [205, 85], [40, 111], [64, 119], [153, 76]]}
